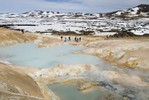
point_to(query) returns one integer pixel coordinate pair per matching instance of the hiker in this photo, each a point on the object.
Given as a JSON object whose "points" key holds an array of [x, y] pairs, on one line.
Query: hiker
{"points": [[75, 39], [22, 31], [61, 37], [65, 39], [107, 36], [80, 39], [69, 38]]}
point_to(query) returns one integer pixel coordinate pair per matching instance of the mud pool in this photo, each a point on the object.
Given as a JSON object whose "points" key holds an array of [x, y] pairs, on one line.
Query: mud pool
{"points": [[130, 85], [28, 54], [70, 92]]}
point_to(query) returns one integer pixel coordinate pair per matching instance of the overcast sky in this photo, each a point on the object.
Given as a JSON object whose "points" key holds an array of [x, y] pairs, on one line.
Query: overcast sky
{"points": [[68, 5]]}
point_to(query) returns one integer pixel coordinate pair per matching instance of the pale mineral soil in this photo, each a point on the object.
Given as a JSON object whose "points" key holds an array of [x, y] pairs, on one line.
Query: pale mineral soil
{"points": [[129, 54], [123, 52]]}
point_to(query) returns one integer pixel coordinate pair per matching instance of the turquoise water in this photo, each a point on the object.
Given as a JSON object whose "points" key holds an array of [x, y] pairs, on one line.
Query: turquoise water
{"points": [[69, 92], [28, 54]]}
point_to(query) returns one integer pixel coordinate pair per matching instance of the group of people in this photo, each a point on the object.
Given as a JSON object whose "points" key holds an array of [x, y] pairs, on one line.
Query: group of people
{"points": [[76, 39]]}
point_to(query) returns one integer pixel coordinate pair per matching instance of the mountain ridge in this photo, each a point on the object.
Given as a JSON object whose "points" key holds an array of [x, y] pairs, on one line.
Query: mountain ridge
{"points": [[141, 10], [135, 19]]}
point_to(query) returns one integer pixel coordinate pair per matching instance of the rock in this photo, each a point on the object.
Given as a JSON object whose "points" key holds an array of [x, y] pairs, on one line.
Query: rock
{"points": [[131, 96], [131, 63]]}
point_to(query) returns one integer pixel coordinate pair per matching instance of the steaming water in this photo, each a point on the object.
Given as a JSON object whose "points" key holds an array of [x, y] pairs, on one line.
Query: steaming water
{"points": [[28, 54], [70, 92]]}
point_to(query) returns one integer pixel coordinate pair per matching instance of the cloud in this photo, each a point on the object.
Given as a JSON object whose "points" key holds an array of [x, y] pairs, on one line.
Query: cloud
{"points": [[25, 5], [67, 5]]}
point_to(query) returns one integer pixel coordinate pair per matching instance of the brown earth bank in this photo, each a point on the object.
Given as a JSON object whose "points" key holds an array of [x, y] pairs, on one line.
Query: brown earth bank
{"points": [[10, 37], [15, 84]]}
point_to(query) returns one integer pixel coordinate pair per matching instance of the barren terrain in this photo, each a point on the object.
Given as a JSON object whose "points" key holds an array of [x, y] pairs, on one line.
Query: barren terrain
{"points": [[128, 59]]}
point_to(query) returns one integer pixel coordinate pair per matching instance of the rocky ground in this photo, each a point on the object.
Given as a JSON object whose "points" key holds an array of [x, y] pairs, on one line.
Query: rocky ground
{"points": [[123, 52], [126, 76]]}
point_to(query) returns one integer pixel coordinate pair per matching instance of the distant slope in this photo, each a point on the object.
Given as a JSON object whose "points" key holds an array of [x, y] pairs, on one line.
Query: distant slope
{"points": [[135, 19], [138, 11], [141, 10]]}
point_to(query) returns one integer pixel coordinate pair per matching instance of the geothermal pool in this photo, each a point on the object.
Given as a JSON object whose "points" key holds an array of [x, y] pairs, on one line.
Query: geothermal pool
{"points": [[70, 92], [28, 54]]}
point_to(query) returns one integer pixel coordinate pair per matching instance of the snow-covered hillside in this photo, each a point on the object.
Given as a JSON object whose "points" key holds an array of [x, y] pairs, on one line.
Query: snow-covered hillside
{"points": [[138, 11], [97, 23]]}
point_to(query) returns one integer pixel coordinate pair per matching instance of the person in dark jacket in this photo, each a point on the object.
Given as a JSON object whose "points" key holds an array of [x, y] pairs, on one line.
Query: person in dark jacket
{"points": [[61, 37], [69, 38], [22, 31]]}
